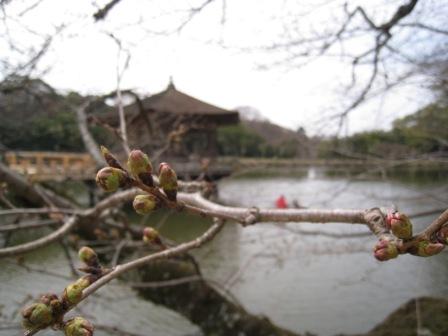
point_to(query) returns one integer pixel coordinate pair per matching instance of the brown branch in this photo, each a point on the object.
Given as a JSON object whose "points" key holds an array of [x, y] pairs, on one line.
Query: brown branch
{"points": [[121, 269], [102, 13], [69, 224], [424, 26], [33, 193], [89, 142], [35, 244], [28, 225]]}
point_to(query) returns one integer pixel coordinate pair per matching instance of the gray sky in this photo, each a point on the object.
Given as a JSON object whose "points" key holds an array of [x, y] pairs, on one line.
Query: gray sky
{"points": [[84, 58]]}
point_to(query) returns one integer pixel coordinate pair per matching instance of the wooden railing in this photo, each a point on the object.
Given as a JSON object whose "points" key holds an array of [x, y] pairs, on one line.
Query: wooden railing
{"points": [[56, 166]]}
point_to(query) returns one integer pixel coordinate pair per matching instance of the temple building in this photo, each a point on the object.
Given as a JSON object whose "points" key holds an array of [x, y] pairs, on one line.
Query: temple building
{"points": [[175, 124]]}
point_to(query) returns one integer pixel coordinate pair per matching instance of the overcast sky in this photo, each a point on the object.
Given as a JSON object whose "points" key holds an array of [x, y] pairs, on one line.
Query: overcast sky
{"points": [[84, 58]]}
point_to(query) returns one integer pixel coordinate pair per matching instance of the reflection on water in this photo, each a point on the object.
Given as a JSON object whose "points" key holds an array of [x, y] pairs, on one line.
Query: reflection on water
{"points": [[302, 282]]}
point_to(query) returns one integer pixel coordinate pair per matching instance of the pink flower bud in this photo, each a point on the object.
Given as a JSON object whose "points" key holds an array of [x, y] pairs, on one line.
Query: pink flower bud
{"points": [[168, 180], [144, 204], [110, 179], [78, 326], [399, 224], [385, 249]]}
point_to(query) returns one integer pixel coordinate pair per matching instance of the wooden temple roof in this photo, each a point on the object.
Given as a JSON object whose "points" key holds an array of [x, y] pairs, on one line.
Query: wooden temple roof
{"points": [[178, 103]]}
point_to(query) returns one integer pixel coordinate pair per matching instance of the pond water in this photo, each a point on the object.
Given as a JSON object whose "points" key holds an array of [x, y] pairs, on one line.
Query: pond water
{"points": [[301, 281]]}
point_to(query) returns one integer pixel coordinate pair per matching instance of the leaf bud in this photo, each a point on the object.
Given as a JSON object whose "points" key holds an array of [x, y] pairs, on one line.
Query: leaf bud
{"points": [[38, 315], [168, 180], [110, 159], [140, 166], [399, 224], [88, 256], [110, 179], [78, 326], [385, 249], [144, 204]]}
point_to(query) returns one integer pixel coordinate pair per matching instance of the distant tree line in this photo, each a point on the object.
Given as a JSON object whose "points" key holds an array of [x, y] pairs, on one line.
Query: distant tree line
{"points": [[423, 132], [240, 140], [35, 117]]}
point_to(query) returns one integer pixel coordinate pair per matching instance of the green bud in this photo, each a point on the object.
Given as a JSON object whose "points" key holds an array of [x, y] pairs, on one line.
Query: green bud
{"points": [[140, 166], [72, 294], [88, 256], [425, 248], [168, 180], [78, 326], [85, 281], [110, 179], [151, 235], [38, 315], [110, 159], [144, 204]]}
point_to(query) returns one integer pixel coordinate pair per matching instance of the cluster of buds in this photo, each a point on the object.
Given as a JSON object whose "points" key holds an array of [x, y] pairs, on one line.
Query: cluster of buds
{"points": [[78, 326], [140, 171], [50, 309], [41, 314], [385, 249], [168, 180]]}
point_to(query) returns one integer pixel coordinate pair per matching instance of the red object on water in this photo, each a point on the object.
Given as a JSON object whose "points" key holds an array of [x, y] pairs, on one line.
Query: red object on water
{"points": [[280, 203]]}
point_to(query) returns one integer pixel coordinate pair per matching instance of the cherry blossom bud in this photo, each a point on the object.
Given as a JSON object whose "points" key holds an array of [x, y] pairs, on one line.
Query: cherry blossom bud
{"points": [[86, 281], [140, 166], [110, 179], [88, 256], [144, 204], [385, 249], [425, 248], [110, 159], [168, 180], [38, 315], [399, 224], [151, 235], [442, 235], [72, 294], [78, 326]]}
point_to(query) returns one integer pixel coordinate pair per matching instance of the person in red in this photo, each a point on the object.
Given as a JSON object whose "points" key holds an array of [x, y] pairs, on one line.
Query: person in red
{"points": [[280, 203]]}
